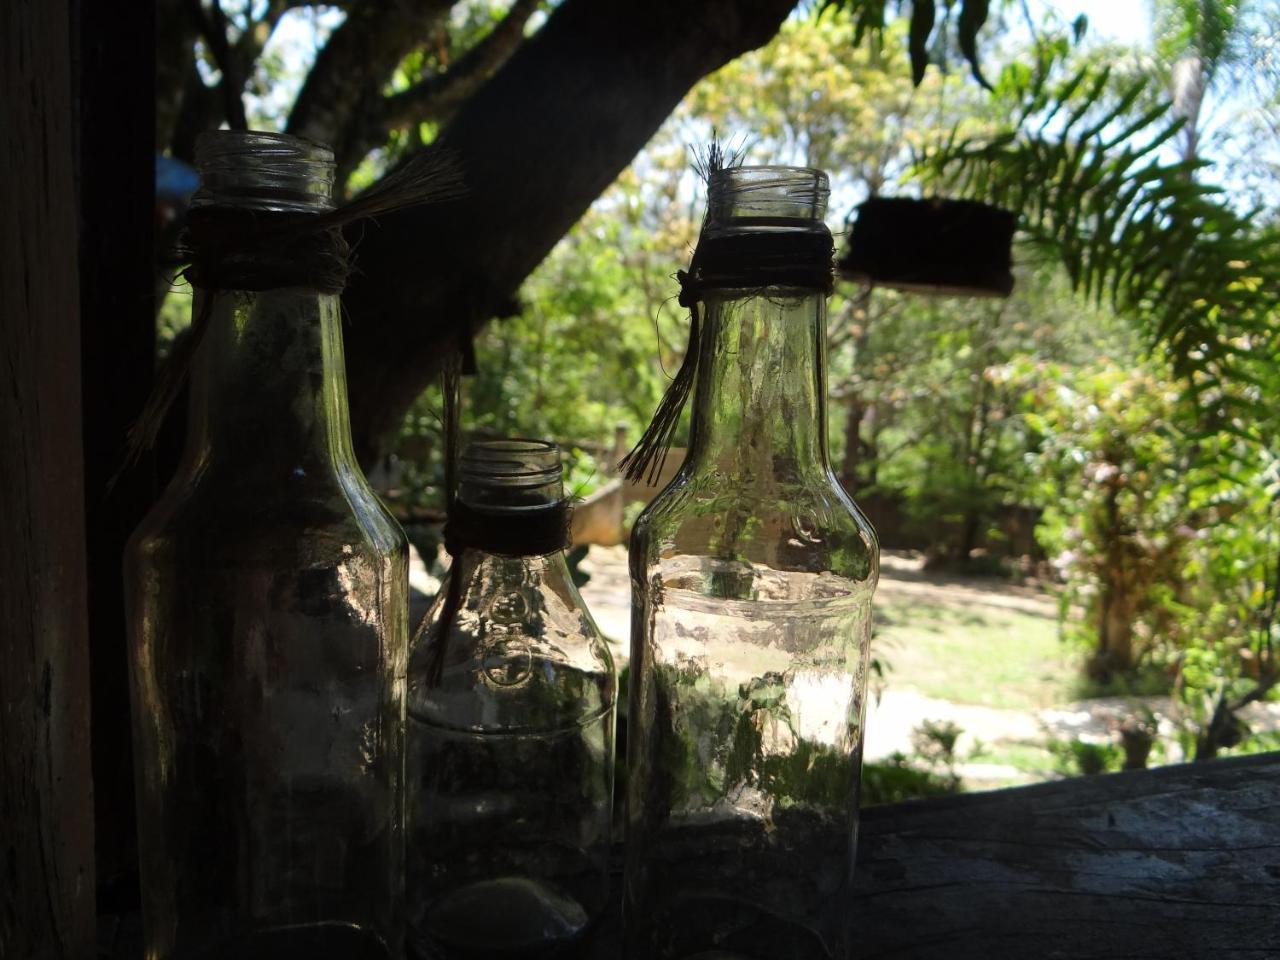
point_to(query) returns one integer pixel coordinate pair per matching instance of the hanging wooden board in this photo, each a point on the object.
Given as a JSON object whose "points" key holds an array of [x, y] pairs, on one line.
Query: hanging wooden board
{"points": [[936, 247]]}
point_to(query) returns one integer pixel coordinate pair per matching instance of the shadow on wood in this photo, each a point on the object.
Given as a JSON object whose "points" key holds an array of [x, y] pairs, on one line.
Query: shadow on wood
{"points": [[1180, 862]]}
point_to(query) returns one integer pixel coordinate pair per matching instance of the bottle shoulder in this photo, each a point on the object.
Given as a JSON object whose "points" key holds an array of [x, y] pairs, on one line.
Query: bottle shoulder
{"points": [[804, 527], [520, 653], [533, 604], [298, 520]]}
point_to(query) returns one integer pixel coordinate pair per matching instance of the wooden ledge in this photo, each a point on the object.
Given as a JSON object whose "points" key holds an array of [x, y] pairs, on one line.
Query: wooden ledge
{"points": [[1177, 863]]}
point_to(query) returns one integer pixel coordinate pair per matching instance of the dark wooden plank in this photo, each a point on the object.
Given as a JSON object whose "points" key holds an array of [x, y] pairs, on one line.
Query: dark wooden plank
{"points": [[1176, 862], [115, 167], [1179, 863], [46, 820]]}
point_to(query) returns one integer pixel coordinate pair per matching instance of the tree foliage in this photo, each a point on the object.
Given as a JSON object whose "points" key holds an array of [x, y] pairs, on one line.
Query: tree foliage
{"points": [[1169, 554], [928, 35], [963, 408], [1134, 229]]}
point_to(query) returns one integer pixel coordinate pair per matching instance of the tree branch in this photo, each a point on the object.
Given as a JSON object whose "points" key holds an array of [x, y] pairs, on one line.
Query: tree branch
{"points": [[253, 39], [200, 109], [436, 97], [537, 143], [356, 61], [213, 27], [175, 51], [186, 107]]}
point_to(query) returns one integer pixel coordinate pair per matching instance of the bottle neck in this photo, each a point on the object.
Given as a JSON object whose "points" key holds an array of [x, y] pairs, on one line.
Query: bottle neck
{"points": [[268, 384], [759, 411]]}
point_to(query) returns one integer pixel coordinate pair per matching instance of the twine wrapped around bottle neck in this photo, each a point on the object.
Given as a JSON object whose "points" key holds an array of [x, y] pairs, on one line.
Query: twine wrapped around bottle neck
{"points": [[232, 248], [238, 248], [755, 256], [532, 533]]}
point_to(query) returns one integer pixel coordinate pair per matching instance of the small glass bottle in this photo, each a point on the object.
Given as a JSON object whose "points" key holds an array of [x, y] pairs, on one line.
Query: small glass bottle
{"points": [[511, 722], [752, 575], [267, 594]]}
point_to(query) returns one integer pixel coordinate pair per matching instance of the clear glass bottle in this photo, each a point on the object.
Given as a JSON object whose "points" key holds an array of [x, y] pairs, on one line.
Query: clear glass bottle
{"points": [[267, 594], [752, 575], [511, 723]]}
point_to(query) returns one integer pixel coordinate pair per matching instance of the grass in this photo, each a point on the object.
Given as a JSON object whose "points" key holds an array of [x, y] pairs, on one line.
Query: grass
{"points": [[1035, 759], [972, 653], [1147, 680]]}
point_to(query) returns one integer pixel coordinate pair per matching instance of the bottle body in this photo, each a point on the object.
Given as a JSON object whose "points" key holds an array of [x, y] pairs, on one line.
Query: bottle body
{"points": [[752, 576], [267, 603], [510, 769]]}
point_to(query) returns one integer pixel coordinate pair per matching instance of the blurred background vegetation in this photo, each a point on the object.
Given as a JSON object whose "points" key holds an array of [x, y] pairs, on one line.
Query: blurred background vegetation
{"points": [[1106, 436]]}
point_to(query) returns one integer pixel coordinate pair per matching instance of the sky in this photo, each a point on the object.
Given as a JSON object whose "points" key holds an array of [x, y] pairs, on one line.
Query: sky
{"points": [[301, 31], [1124, 20]]}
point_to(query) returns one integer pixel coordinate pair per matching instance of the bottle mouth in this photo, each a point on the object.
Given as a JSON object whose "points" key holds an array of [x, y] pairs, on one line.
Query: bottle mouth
{"points": [[785, 194], [510, 473], [258, 170]]}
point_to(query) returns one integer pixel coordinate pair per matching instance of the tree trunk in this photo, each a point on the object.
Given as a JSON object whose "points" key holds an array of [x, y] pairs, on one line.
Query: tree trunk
{"points": [[1117, 601], [538, 143], [970, 531], [1117, 608], [46, 814], [354, 65], [855, 448]]}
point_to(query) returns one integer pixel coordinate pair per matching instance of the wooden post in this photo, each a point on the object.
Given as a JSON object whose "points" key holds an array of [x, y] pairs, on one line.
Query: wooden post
{"points": [[115, 169], [46, 793]]}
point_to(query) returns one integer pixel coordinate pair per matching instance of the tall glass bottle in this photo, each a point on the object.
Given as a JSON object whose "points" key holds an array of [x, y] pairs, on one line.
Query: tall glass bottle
{"points": [[511, 721], [267, 595], [752, 575]]}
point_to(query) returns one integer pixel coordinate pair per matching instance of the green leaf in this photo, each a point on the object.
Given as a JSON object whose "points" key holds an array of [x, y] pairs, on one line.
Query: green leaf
{"points": [[973, 14], [1160, 244], [1127, 99], [922, 20]]}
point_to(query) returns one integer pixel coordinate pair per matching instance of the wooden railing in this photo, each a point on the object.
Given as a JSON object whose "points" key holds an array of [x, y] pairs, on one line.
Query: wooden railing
{"points": [[1178, 863]]}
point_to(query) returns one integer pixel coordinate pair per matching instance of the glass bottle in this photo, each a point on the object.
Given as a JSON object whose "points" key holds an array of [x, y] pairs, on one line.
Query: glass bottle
{"points": [[511, 722], [751, 576], [267, 594]]}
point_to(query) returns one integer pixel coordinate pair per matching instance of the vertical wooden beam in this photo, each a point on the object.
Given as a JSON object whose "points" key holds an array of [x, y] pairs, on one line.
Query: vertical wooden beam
{"points": [[46, 793], [115, 168]]}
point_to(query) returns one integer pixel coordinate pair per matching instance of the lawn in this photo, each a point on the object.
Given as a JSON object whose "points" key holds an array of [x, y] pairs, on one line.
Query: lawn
{"points": [[967, 651]]}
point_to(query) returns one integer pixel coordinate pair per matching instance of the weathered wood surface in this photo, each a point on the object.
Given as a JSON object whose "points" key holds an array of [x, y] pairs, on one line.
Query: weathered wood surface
{"points": [[46, 819], [1179, 863]]}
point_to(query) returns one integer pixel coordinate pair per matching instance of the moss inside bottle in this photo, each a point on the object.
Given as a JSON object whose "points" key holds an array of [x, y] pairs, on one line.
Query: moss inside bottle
{"points": [[752, 575], [267, 599]]}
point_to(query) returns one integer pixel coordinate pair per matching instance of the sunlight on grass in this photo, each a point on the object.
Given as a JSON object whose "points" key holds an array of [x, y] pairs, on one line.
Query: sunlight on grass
{"points": [[1034, 759], [972, 653]]}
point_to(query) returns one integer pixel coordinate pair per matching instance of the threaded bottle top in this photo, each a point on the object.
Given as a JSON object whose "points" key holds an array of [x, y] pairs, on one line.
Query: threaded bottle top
{"points": [[255, 170], [512, 474], [797, 194]]}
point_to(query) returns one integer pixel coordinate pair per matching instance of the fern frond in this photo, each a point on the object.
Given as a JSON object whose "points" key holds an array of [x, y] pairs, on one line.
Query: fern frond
{"points": [[1154, 238]]}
